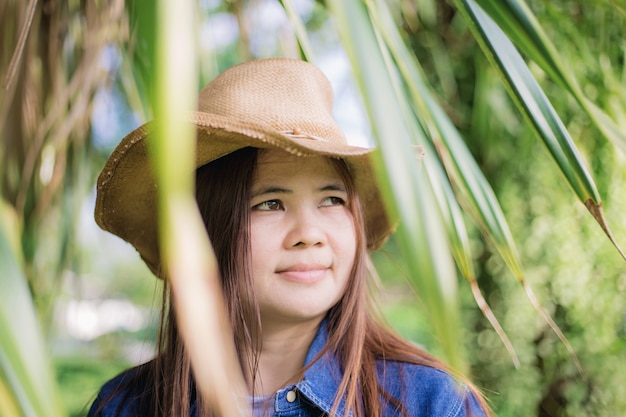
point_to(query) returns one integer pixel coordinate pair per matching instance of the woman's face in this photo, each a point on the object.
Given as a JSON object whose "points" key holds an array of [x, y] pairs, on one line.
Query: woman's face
{"points": [[303, 240]]}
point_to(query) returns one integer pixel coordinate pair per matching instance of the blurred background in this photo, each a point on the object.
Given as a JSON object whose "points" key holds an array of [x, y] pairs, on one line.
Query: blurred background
{"points": [[81, 82]]}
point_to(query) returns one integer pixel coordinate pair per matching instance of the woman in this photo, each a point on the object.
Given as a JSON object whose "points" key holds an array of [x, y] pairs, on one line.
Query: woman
{"points": [[292, 212]]}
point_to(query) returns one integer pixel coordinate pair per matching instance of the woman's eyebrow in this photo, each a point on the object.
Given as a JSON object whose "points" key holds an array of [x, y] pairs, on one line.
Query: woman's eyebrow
{"points": [[281, 190], [271, 190], [333, 187]]}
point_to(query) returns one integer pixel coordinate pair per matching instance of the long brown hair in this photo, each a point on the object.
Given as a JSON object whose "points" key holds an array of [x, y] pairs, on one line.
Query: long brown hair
{"points": [[357, 334]]}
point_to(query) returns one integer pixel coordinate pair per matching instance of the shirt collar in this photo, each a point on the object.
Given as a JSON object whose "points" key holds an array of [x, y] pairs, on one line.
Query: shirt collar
{"points": [[323, 377]]}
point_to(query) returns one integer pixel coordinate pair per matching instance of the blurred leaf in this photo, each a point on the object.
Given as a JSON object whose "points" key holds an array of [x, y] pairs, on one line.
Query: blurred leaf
{"points": [[459, 243], [8, 402], [27, 376], [460, 165], [420, 232], [141, 50], [187, 255], [306, 51], [462, 168]]}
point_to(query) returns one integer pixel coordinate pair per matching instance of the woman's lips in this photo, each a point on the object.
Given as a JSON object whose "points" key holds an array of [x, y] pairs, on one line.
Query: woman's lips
{"points": [[305, 274]]}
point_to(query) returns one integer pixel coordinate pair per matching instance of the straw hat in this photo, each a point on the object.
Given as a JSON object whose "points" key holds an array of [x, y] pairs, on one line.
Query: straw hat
{"points": [[272, 103]]}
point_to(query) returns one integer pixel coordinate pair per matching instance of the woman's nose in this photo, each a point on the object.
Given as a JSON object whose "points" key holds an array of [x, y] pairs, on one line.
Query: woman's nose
{"points": [[305, 230]]}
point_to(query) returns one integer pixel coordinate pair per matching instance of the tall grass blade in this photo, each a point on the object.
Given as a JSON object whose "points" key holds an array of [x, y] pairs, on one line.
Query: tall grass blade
{"points": [[420, 233], [188, 256]]}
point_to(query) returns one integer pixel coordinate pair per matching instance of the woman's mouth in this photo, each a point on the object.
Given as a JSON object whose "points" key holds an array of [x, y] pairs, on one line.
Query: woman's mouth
{"points": [[304, 274]]}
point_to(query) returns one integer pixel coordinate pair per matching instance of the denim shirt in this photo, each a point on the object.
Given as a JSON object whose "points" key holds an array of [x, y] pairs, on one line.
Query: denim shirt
{"points": [[424, 391]]}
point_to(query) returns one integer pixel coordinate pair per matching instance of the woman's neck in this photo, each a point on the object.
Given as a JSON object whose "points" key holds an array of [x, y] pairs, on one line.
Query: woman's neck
{"points": [[283, 354]]}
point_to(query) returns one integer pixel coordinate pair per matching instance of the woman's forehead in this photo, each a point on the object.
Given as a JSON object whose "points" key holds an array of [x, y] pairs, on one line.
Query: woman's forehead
{"points": [[276, 163]]}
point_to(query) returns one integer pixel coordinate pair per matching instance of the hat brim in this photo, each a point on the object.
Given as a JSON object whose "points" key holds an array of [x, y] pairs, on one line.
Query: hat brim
{"points": [[126, 202]]}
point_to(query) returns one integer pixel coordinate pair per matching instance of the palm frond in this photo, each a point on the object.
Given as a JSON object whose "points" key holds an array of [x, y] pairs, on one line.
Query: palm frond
{"points": [[535, 106]]}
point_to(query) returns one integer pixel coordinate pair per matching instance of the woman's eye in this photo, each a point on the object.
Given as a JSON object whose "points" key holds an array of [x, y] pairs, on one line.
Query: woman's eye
{"points": [[269, 205], [333, 201]]}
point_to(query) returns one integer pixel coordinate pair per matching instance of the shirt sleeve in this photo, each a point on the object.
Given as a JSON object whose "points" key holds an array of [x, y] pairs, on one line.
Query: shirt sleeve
{"points": [[428, 392]]}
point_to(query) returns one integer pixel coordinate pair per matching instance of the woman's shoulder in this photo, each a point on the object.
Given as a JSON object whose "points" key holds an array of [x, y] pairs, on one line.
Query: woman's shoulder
{"points": [[121, 395], [426, 390]]}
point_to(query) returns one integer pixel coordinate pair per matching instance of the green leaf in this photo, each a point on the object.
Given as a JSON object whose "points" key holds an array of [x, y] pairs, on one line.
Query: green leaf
{"points": [[188, 258], [459, 242], [26, 377], [536, 108], [530, 99], [517, 20], [409, 198], [306, 51], [457, 159], [140, 58]]}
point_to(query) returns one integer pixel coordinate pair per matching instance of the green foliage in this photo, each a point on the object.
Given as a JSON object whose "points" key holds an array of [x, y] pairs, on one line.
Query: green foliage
{"points": [[26, 379], [581, 283], [407, 193], [141, 53], [577, 274], [80, 379]]}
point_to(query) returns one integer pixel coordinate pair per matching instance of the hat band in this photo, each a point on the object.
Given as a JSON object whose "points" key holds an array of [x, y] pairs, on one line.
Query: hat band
{"points": [[298, 134]]}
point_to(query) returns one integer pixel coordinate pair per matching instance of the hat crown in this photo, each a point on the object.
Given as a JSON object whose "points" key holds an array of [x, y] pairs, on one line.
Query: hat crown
{"points": [[293, 97]]}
